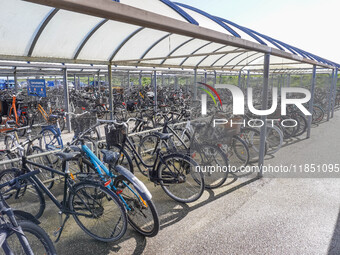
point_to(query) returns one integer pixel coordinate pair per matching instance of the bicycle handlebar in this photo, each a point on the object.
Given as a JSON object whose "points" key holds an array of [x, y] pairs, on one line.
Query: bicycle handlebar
{"points": [[14, 181]]}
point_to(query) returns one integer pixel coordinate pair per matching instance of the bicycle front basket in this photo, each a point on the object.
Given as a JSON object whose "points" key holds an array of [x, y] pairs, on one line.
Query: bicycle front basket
{"points": [[80, 124], [115, 135]]}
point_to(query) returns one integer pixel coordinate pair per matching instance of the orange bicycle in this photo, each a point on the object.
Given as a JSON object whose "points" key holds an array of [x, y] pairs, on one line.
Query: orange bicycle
{"points": [[48, 116], [15, 118]]}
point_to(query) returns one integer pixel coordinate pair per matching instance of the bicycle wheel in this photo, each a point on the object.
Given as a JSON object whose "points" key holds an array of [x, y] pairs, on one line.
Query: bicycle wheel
{"points": [[37, 238], [28, 197], [3, 157], [142, 215], [318, 114], [22, 123], [45, 176], [98, 211], [9, 142], [274, 139], [180, 178], [147, 149], [214, 163], [238, 155], [302, 127], [252, 138], [49, 140], [124, 159]]}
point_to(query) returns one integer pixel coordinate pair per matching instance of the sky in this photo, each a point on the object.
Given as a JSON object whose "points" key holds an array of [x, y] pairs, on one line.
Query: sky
{"points": [[307, 24]]}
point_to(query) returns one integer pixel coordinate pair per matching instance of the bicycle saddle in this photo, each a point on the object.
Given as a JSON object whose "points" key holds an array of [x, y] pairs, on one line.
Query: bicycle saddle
{"points": [[52, 117], [67, 156], [110, 157], [163, 136]]}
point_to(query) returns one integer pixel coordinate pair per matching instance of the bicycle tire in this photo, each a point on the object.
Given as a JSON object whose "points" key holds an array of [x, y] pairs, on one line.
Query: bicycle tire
{"points": [[184, 161], [247, 134], [41, 244], [207, 156], [238, 155], [138, 207], [19, 198], [124, 159], [97, 212]]}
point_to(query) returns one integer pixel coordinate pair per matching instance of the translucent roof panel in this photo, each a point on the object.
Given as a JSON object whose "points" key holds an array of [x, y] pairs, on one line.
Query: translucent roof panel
{"points": [[166, 46], [18, 26], [189, 47], [194, 61], [138, 44], [229, 58], [205, 21], [33, 32], [110, 35], [63, 34]]}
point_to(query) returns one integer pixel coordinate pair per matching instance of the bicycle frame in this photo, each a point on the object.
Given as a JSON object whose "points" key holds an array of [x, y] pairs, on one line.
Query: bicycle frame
{"points": [[62, 206], [100, 167], [12, 227]]}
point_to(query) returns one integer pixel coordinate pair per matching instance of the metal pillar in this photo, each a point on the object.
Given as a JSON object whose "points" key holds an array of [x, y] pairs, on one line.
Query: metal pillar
{"points": [[334, 91], [195, 84], [288, 81], [176, 83], [66, 100], [221, 78], [15, 80], [162, 80], [109, 72], [129, 80], [239, 79], [215, 78], [205, 77], [140, 78], [98, 80], [264, 118], [155, 89], [75, 81], [330, 95], [248, 78], [311, 102]]}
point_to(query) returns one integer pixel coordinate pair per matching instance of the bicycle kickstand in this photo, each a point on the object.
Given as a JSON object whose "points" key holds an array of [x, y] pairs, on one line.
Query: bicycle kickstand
{"points": [[58, 232]]}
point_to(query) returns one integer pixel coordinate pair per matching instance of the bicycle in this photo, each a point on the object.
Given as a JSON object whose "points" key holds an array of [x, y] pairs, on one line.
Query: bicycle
{"points": [[176, 173], [141, 211], [15, 148], [14, 116], [30, 238], [87, 200]]}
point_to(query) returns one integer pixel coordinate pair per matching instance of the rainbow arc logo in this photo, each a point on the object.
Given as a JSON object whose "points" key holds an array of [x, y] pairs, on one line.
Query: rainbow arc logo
{"points": [[209, 93]]}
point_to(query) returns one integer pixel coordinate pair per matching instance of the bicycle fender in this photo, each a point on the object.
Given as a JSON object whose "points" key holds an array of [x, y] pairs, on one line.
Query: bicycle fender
{"points": [[139, 186], [21, 215]]}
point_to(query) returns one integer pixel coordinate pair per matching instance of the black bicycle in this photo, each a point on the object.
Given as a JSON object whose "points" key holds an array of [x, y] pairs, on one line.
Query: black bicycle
{"points": [[22, 236], [178, 174], [96, 209]]}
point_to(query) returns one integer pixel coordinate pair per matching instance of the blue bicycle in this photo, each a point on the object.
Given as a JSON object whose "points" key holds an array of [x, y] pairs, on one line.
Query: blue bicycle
{"points": [[141, 211]]}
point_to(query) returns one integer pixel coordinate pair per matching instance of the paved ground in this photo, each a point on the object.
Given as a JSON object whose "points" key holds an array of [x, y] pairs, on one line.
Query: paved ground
{"points": [[246, 216]]}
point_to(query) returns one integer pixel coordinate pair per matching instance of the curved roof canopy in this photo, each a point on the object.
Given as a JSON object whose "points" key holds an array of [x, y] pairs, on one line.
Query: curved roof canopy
{"points": [[155, 33]]}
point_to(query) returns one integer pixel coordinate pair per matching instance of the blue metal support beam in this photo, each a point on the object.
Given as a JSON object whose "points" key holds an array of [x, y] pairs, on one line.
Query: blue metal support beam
{"points": [[311, 102]]}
